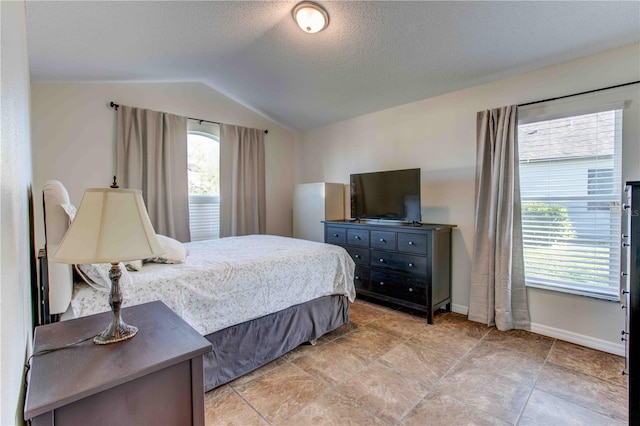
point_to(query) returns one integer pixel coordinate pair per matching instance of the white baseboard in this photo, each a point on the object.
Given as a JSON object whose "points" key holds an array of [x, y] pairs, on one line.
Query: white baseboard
{"points": [[459, 309], [579, 339], [567, 336]]}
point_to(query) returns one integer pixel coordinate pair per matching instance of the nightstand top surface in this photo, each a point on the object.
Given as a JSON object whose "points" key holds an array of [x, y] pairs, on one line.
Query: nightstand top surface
{"points": [[60, 377]]}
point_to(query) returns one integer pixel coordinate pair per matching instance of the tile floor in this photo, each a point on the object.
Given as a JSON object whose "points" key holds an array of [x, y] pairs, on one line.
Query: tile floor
{"points": [[390, 368]]}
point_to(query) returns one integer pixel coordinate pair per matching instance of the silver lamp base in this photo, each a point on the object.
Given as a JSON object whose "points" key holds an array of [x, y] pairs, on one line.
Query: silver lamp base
{"points": [[116, 333], [118, 330]]}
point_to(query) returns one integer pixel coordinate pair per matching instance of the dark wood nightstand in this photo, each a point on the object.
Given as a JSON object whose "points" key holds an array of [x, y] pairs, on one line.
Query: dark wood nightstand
{"points": [[154, 378]]}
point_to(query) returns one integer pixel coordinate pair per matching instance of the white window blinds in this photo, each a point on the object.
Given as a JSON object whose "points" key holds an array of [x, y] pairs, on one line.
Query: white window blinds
{"points": [[204, 185], [570, 183]]}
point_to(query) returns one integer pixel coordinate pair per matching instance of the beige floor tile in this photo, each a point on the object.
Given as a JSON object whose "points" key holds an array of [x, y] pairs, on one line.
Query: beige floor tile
{"points": [[333, 409], [519, 366], [338, 332], [461, 323], [587, 391], [443, 410], [383, 392], [400, 325], [369, 343], [258, 372], [454, 343], [224, 407], [496, 395], [378, 369], [521, 341], [588, 361], [302, 350], [414, 360], [363, 313], [281, 392], [546, 409], [332, 363]]}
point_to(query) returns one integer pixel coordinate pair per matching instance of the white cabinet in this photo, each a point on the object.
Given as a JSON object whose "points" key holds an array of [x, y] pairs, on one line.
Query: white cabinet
{"points": [[313, 203]]}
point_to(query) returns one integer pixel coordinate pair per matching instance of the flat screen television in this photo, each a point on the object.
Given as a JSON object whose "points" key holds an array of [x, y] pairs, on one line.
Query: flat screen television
{"points": [[390, 195]]}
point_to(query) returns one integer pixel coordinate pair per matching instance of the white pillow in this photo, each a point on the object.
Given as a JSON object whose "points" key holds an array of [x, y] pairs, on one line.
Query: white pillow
{"points": [[70, 210], [97, 275], [174, 251], [133, 265]]}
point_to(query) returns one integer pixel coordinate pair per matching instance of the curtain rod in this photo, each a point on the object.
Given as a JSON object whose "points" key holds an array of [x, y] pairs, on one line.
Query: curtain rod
{"points": [[116, 106], [581, 93]]}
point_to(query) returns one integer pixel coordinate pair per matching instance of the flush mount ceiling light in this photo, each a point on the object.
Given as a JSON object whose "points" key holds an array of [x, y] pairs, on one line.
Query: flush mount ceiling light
{"points": [[310, 16]]}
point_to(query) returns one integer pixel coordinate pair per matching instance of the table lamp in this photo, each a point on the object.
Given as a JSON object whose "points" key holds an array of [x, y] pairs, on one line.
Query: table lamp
{"points": [[111, 226]]}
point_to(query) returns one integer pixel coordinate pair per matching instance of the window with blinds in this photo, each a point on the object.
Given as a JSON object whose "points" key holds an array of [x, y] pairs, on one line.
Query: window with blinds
{"points": [[203, 151], [570, 186]]}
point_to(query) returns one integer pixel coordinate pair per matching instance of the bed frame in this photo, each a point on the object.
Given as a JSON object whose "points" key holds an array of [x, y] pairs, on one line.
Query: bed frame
{"points": [[238, 349]]}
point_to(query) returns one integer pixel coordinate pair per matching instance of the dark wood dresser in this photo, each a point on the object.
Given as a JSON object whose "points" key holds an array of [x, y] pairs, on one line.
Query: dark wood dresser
{"points": [[153, 378], [406, 265], [631, 295]]}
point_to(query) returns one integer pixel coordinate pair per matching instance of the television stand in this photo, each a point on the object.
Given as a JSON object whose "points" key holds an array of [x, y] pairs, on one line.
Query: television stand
{"points": [[406, 264]]}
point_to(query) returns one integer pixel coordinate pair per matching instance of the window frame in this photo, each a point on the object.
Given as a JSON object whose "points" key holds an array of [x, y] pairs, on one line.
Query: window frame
{"points": [[567, 111]]}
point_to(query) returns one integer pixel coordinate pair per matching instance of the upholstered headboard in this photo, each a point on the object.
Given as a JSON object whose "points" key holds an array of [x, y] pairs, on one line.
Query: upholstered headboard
{"points": [[56, 222]]}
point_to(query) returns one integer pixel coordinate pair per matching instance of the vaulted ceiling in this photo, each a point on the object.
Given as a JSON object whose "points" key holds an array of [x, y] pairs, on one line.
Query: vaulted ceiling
{"points": [[373, 55]]}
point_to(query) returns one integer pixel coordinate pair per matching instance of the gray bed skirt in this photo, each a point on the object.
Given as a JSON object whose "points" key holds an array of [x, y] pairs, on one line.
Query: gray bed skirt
{"points": [[242, 348]]}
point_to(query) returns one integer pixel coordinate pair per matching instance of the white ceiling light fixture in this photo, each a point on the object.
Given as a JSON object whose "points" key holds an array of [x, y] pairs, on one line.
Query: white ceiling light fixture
{"points": [[310, 16]]}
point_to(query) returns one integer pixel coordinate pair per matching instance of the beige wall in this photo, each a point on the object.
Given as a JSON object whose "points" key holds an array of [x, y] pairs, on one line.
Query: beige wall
{"points": [[74, 136], [15, 179], [438, 135]]}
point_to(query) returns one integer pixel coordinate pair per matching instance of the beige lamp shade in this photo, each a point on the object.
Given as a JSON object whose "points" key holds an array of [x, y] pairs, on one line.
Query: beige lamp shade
{"points": [[111, 226]]}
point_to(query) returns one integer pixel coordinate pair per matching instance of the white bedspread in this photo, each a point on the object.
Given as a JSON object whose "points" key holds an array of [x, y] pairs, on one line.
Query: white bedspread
{"points": [[231, 280]]}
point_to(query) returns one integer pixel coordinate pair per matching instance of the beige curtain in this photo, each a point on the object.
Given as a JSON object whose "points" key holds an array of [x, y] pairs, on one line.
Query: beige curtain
{"points": [[242, 181], [151, 155], [498, 294]]}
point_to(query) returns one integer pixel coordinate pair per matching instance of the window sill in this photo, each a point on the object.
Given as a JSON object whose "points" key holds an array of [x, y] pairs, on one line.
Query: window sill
{"points": [[609, 296]]}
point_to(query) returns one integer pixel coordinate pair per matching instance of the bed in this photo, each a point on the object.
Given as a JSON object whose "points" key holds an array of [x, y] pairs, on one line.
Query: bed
{"points": [[254, 298]]}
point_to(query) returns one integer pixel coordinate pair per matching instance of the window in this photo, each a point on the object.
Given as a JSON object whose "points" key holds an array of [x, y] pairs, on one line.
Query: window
{"points": [[570, 185], [204, 185], [599, 183]]}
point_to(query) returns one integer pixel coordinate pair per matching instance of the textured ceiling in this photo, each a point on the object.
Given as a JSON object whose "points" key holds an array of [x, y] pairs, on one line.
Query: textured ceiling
{"points": [[373, 55]]}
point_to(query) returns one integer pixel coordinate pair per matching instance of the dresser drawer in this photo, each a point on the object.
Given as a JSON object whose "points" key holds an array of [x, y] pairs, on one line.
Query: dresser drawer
{"points": [[383, 240], [359, 255], [398, 286], [412, 243], [358, 237], [361, 278], [399, 262], [336, 235]]}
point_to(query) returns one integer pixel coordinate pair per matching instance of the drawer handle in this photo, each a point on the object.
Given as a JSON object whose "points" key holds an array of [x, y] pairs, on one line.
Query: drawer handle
{"points": [[336, 235], [381, 260], [410, 289], [410, 265], [381, 282], [357, 237], [382, 240], [357, 278], [411, 243], [357, 256]]}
